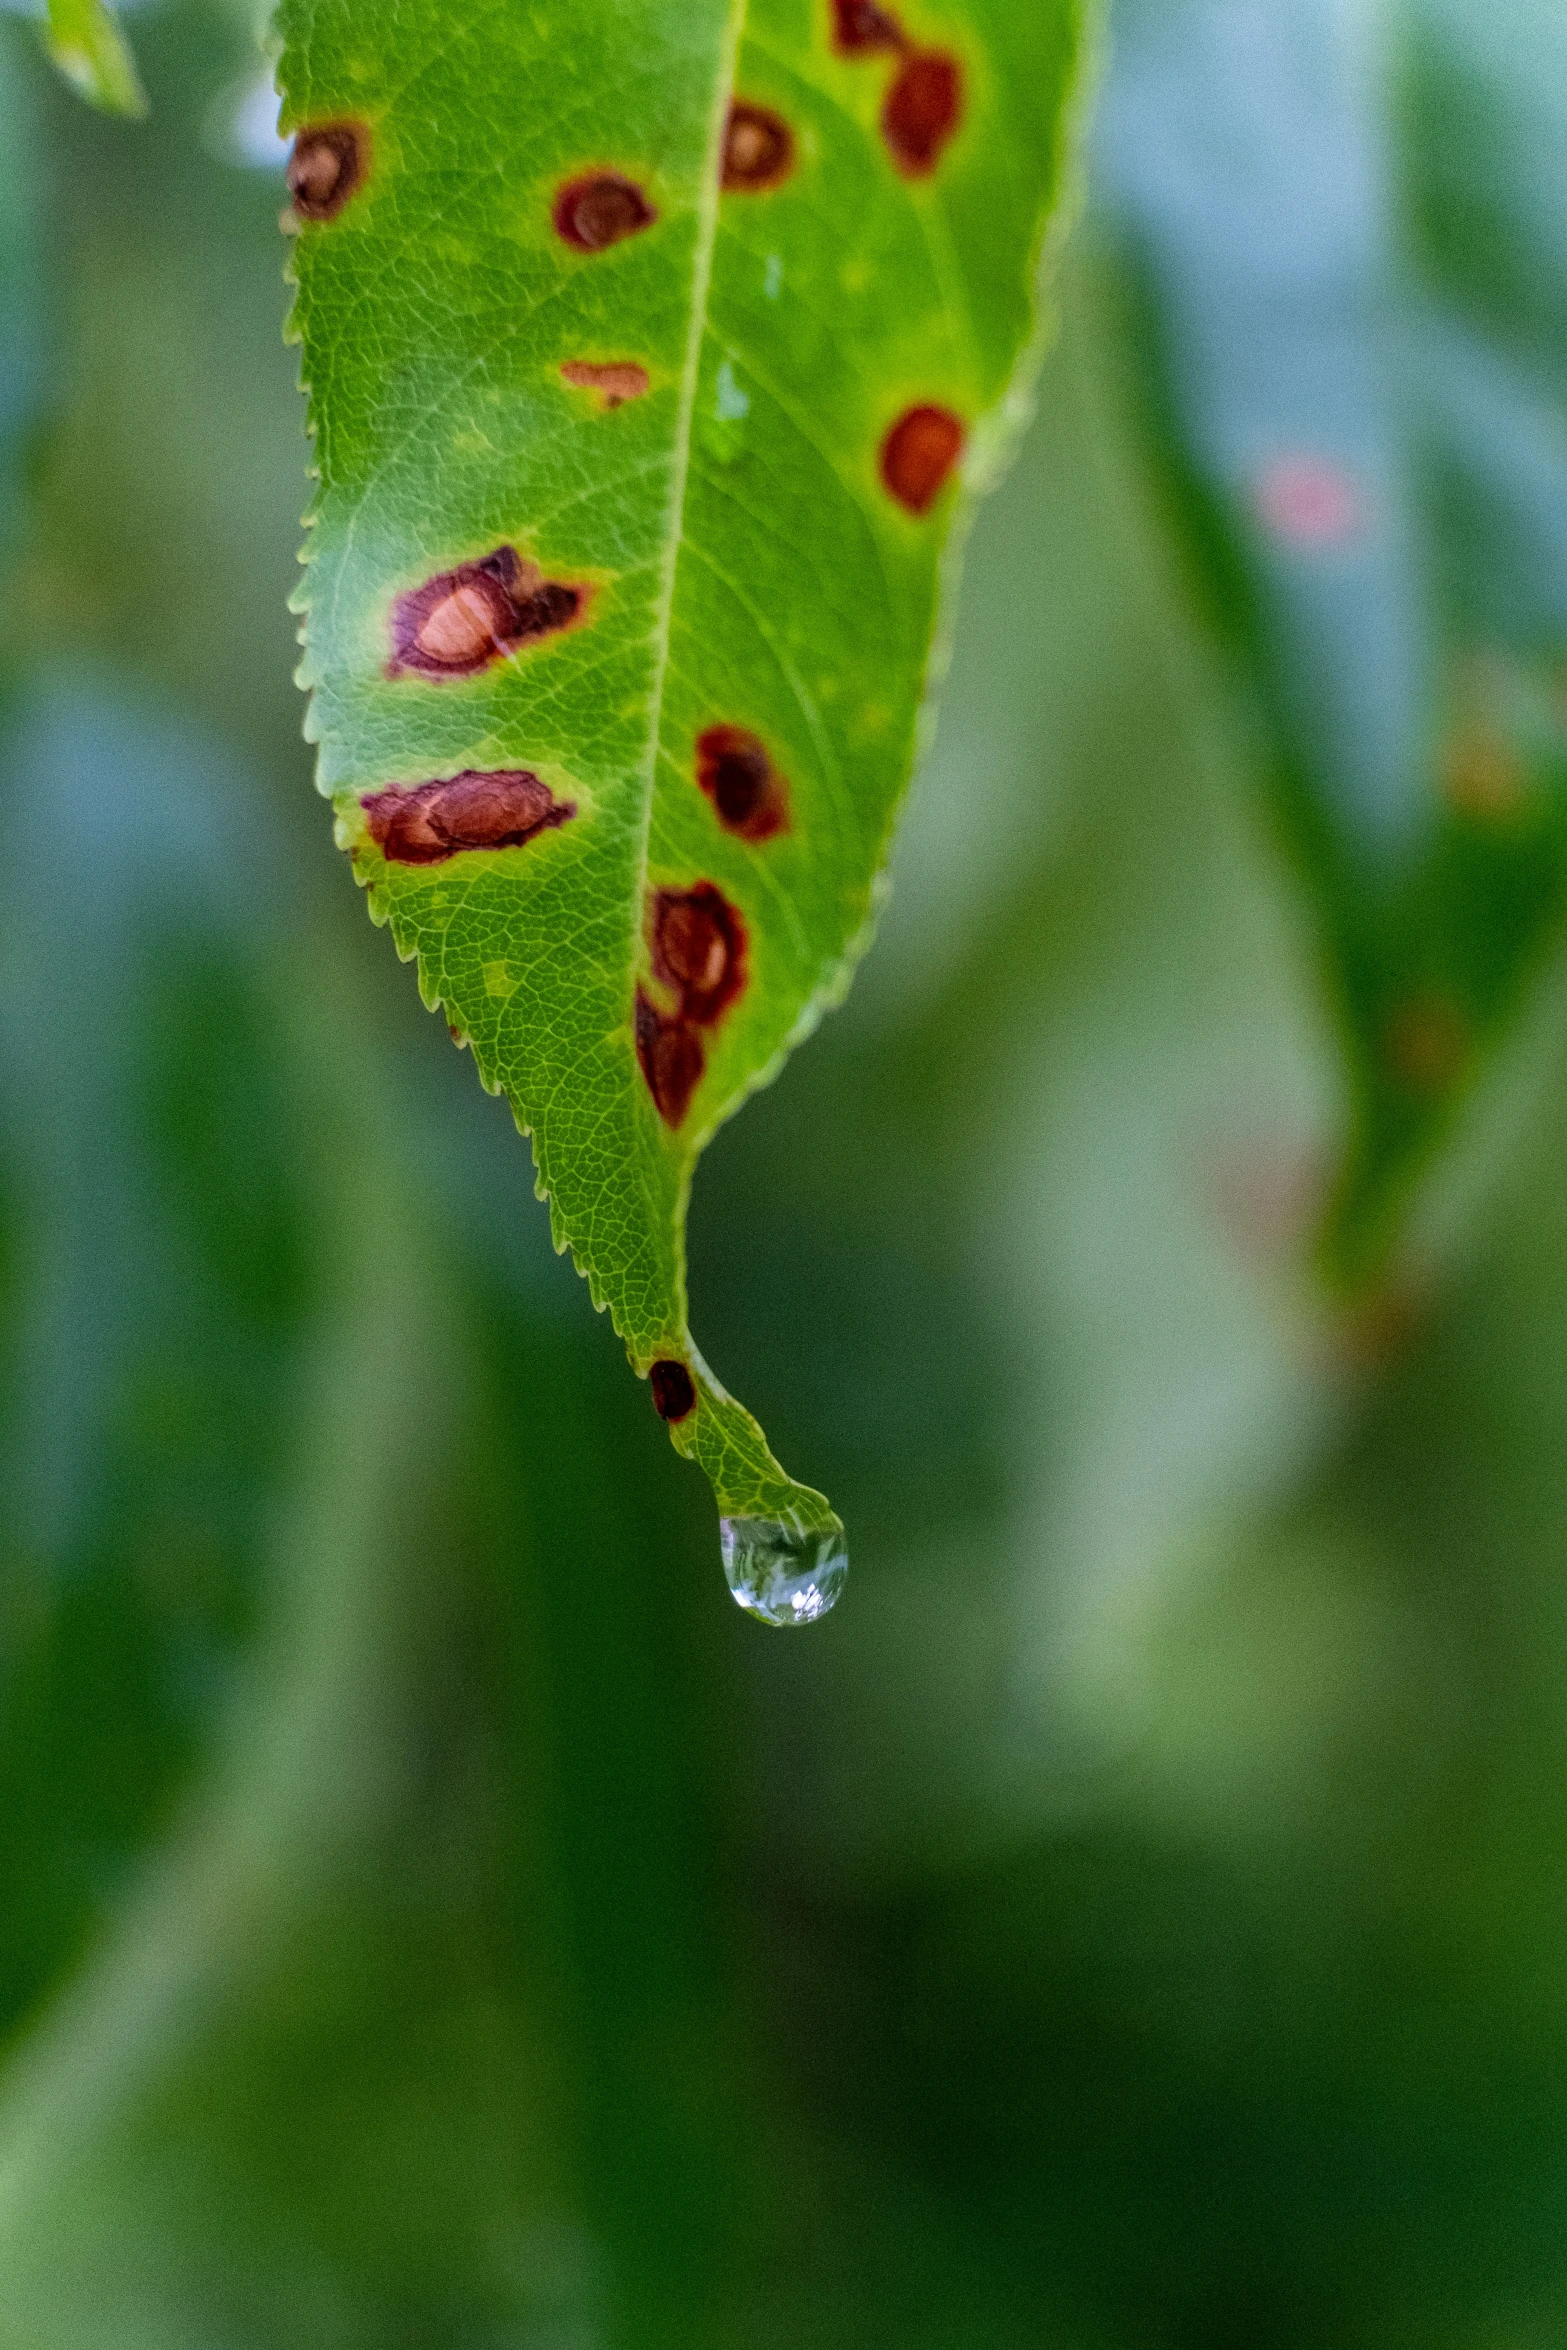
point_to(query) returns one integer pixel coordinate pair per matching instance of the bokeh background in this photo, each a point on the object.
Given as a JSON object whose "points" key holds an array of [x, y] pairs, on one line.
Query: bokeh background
{"points": [[430, 1914]]}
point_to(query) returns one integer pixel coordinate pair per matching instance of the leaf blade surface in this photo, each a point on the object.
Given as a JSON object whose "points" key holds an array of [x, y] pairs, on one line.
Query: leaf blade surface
{"points": [[648, 354]]}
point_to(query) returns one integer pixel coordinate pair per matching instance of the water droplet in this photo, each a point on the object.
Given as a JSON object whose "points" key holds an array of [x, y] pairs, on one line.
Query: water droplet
{"points": [[782, 1577]]}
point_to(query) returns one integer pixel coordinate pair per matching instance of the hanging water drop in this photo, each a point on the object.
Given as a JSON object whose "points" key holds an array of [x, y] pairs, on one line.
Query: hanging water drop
{"points": [[782, 1577]]}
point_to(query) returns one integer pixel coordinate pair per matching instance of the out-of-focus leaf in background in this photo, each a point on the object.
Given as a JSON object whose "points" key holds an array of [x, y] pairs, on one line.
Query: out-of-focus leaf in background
{"points": [[1348, 255], [429, 1915], [87, 45]]}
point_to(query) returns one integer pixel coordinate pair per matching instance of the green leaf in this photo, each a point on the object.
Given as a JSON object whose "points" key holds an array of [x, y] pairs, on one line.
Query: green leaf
{"points": [[1349, 254], [634, 494], [90, 50]]}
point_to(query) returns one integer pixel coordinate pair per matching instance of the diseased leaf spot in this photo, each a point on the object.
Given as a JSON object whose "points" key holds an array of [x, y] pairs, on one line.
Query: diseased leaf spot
{"points": [[674, 1391], [758, 148], [462, 620], [918, 454], [502, 809], [925, 103], [748, 793], [615, 380], [923, 109], [698, 946], [328, 165], [672, 1059], [599, 210], [861, 25]]}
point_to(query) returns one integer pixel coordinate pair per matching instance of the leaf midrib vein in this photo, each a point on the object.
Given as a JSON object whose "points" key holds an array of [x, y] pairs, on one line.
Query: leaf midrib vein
{"points": [[701, 284]]}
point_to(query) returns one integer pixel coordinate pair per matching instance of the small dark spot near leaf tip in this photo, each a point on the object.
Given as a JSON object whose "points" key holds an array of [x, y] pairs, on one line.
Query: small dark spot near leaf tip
{"points": [[733, 768], [462, 620], [328, 165], [698, 946], [672, 1059], [674, 1390], [502, 809], [923, 109], [918, 454], [758, 148], [599, 210], [614, 380], [861, 25]]}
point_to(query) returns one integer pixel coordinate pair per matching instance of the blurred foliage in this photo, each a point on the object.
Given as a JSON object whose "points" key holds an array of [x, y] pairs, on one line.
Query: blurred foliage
{"points": [[429, 1913], [90, 50], [1348, 267]]}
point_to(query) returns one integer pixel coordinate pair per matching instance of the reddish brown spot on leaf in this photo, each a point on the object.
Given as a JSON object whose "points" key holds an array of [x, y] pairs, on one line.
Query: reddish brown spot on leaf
{"points": [[733, 768], [918, 454], [860, 25], [923, 109], [328, 165], [672, 1059], [599, 209], [758, 148], [462, 620], [674, 1390], [503, 809], [614, 380], [698, 946]]}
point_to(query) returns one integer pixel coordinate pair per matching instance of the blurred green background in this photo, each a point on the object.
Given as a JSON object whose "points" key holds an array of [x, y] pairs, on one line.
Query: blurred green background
{"points": [[430, 1914]]}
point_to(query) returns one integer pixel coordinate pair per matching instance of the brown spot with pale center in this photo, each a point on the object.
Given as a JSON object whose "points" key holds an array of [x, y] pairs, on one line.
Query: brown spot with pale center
{"points": [[698, 947], [747, 792], [918, 454], [923, 109], [614, 380], [501, 809], [674, 1390], [600, 209], [462, 620], [758, 148], [859, 25], [670, 1052], [328, 165]]}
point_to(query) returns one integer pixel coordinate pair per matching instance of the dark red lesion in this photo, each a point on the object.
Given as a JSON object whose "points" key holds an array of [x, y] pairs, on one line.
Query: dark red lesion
{"points": [[925, 103], [923, 109], [696, 945], [674, 1390], [599, 209], [330, 163], [462, 620], [749, 796], [503, 808], [672, 1058], [758, 148], [697, 941], [918, 454], [859, 25]]}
